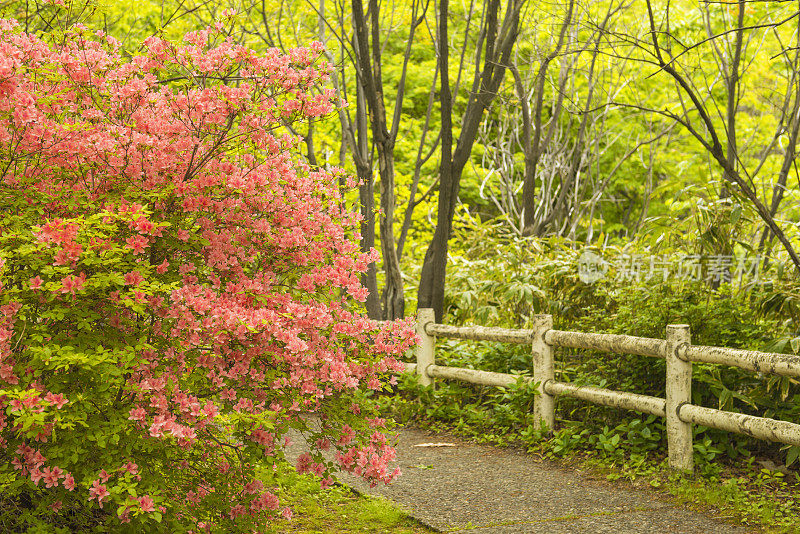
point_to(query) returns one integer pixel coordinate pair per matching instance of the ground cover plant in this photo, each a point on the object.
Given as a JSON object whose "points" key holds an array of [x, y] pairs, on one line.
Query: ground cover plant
{"points": [[178, 287], [339, 509]]}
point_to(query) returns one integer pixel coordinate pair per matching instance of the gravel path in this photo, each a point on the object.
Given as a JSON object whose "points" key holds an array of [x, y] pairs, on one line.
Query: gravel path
{"points": [[464, 486]]}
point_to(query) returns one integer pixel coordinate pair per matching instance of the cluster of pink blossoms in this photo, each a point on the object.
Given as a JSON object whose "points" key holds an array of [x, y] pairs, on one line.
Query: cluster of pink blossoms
{"points": [[177, 286]]}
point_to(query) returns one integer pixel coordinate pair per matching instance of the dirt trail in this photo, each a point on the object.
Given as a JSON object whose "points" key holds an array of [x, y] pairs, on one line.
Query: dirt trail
{"points": [[462, 486]]}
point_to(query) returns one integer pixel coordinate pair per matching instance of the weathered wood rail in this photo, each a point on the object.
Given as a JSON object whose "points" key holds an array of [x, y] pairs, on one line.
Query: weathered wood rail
{"points": [[676, 349]]}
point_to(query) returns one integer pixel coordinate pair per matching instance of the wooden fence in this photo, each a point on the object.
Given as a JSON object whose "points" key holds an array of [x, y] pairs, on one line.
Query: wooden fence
{"points": [[677, 408]]}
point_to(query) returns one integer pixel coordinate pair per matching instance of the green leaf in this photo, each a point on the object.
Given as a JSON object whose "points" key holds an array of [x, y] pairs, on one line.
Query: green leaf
{"points": [[736, 213], [792, 454], [725, 398]]}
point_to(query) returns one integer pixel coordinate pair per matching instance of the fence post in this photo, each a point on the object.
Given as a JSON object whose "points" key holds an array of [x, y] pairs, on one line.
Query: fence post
{"points": [[679, 392], [425, 350], [543, 404]]}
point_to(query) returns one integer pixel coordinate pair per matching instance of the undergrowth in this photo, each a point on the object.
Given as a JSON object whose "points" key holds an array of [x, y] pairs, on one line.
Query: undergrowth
{"points": [[333, 510]]}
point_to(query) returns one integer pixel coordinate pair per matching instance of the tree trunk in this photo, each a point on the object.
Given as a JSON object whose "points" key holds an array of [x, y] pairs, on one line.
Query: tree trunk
{"points": [[495, 43], [432, 275], [366, 194]]}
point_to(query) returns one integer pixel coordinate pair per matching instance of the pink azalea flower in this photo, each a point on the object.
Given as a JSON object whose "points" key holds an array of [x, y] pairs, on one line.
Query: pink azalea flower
{"points": [[137, 414], [36, 475], [131, 468], [304, 463], [51, 476], [253, 487], [265, 501], [71, 283], [237, 511], [143, 226], [146, 503], [31, 400], [137, 243], [133, 278], [98, 491], [17, 463], [57, 400]]}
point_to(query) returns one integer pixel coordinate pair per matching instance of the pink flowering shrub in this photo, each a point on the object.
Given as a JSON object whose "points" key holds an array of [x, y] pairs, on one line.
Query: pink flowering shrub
{"points": [[178, 288]]}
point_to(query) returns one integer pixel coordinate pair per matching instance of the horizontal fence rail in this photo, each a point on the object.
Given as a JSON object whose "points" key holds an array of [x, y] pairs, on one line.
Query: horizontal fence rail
{"points": [[609, 397], [757, 427], [676, 348], [484, 378], [642, 346], [480, 333], [750, 360]]}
